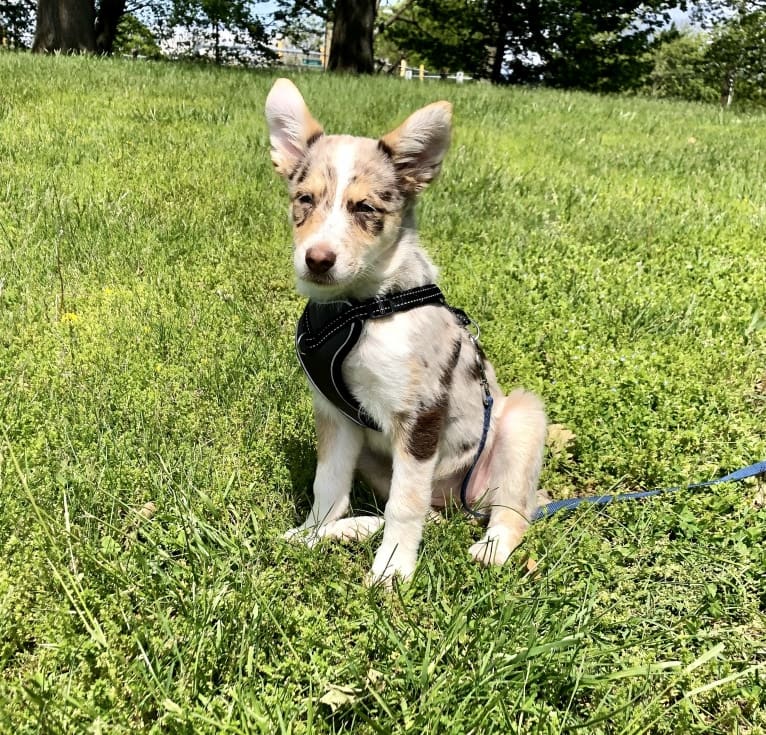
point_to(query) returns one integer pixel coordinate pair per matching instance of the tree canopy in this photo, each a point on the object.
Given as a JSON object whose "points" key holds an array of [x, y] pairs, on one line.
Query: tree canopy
{"points": [[598, 45], [591, 44], [15, 21]]}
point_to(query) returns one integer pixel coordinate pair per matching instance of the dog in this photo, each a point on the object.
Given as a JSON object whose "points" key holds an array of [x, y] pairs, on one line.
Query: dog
{"points": [[405, 407]]}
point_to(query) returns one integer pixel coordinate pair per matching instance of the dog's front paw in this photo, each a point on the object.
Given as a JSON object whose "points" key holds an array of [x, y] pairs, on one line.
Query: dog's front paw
{"points": [[390, 563], [495, 547], [302, 535]]}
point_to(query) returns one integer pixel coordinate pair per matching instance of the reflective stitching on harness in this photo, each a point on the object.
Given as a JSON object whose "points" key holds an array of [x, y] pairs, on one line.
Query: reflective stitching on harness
{"points": [[332, 374], [316, 340]]}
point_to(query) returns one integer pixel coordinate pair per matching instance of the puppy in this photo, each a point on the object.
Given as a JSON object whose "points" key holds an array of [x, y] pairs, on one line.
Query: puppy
{"points": [[402, 393]]}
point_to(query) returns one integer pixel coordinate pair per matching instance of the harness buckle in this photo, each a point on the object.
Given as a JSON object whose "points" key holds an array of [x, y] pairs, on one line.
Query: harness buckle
{"points": [[381, 306]]}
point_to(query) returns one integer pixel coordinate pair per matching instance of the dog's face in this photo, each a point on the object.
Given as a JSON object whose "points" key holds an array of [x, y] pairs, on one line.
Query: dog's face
{"points": [[349, 195]]}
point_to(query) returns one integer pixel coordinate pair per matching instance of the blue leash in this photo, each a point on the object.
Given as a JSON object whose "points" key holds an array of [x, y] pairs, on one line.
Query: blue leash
{"points": [[753, 470], [488, 402]]}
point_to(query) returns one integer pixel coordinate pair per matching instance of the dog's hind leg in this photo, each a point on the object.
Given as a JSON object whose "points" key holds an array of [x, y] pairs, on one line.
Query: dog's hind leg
{"points": [[509, 474]]}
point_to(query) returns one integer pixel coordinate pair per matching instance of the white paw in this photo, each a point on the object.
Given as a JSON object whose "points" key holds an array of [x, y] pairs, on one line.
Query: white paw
{"points": [[357, 528], [494, 548], [302, 535], [390, 563]]}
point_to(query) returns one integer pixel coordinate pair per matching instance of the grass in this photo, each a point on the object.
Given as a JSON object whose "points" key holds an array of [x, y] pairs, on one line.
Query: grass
{"points": [[156, 437]]}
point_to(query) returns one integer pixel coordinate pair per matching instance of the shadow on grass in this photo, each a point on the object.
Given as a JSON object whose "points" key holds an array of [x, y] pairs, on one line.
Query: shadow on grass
{"points": [[300, 460]]}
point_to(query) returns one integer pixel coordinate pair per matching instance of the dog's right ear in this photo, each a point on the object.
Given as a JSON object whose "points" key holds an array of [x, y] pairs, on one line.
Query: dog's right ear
{"points": [[292, 129]]}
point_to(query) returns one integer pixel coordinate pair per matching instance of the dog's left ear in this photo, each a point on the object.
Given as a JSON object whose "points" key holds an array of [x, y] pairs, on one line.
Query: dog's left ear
{"points": [[292, 129], [418, 145]]}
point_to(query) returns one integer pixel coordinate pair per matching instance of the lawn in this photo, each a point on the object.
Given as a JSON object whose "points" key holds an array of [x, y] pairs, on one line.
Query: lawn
{"points": [[156, 436]]}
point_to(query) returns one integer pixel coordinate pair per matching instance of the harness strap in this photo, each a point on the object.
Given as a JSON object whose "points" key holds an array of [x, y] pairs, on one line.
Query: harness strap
{"points": [[374, 308]]}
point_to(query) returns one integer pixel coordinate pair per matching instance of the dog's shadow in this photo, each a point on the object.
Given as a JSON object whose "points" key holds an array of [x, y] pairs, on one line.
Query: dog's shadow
{"points": [[301, 460]]}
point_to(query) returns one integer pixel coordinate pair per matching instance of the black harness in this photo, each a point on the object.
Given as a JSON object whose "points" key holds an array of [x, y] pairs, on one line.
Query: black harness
{"points": [[327, 332]]}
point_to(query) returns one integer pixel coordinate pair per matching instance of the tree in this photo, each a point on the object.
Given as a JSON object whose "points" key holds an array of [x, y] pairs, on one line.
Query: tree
{"points": [[726, 62], [680, 67], [353, 26], [351, 47], [77, 25], [81, 26], [134, 38], [591, 44], [443, 34], [709, 14], [15, 22], [737, 57], [211, 18]]}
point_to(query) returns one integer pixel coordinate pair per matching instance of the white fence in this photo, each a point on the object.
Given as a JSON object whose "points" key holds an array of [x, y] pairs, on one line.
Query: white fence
{"points": [[411, 72], [308, 59], [303, 58]]}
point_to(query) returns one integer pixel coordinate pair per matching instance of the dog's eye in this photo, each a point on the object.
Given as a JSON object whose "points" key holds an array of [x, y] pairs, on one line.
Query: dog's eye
{"points": [[306, 199], [364, 208]]}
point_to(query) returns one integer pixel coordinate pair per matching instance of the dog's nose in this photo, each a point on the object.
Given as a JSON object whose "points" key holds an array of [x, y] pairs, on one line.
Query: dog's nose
{"points": [[320, 259]]}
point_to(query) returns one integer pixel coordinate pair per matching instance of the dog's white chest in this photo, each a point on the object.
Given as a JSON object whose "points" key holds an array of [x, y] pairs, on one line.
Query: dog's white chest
{"points": [[379, 370]]}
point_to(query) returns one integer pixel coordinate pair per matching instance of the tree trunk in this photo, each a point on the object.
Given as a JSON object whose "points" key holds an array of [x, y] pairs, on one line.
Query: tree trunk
{"points": [[501, 42], [110, 13], [351, 48], [727, 89], [65, 25]]}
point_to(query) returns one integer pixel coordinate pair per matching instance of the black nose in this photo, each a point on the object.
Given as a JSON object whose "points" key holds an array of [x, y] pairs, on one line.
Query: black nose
{"points": [[320, 259]]}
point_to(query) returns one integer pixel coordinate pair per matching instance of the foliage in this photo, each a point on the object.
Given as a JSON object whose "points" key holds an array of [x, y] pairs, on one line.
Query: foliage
{"points": [[711, 13], [303, 21], [445, 35], [738, 52], [134, 38], [681, 68], [701, 65], [208, 19], [156, 438], [587, 44], [16, 22]]}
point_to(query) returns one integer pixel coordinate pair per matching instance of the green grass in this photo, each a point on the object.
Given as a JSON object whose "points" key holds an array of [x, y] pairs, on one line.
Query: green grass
{"points": [[612, 250]]}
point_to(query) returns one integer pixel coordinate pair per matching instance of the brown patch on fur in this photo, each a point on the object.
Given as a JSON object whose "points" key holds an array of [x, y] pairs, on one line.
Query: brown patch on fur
{"points": [[299, 173], [466, 446], [424, 436], [385, 149], [446, 377], [319, 181]]}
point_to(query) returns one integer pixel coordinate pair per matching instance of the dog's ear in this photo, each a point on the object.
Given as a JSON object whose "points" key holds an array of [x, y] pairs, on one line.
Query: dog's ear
{"points": [[292, 129], [418, 145]]}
